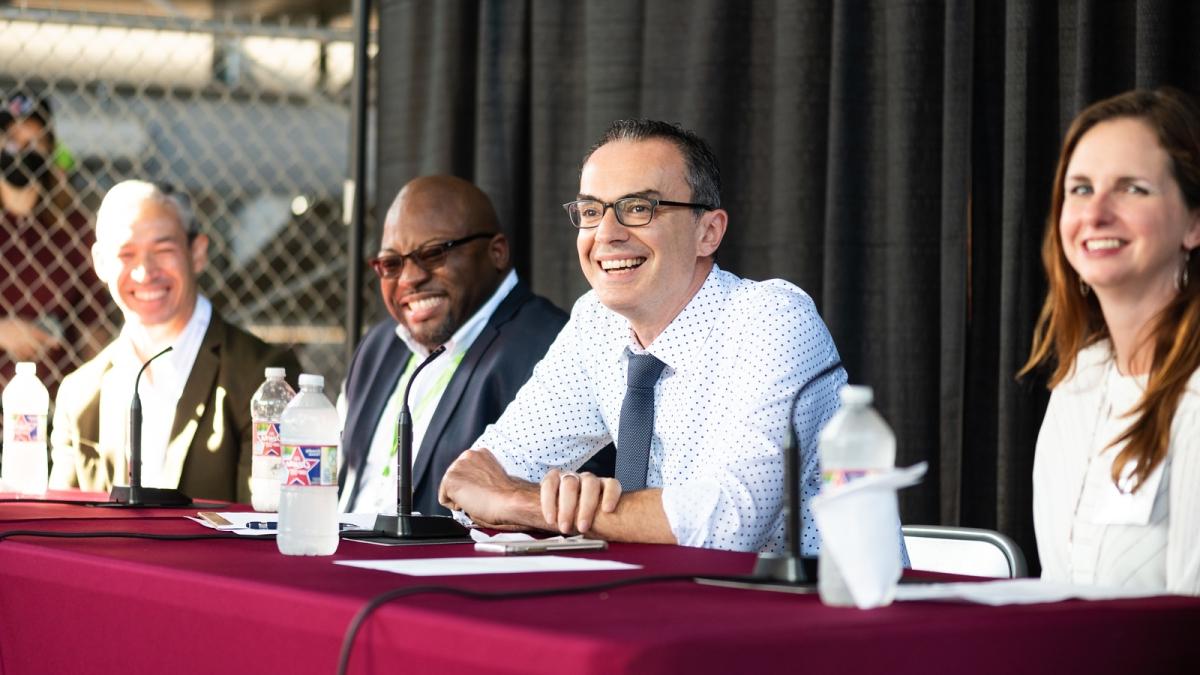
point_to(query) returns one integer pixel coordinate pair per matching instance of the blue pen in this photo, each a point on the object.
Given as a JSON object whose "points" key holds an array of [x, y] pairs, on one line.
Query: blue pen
{"points": [[269, 525]]}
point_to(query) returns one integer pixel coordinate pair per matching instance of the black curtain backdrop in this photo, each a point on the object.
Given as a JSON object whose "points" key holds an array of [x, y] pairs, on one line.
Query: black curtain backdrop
{"points": [[891, 157]]}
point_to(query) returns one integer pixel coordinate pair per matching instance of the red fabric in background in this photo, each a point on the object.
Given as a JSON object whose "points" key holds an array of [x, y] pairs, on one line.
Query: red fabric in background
{"points": [[238, 606], [48, 279]]}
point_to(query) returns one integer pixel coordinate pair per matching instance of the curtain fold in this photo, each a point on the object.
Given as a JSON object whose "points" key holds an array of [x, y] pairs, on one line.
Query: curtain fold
{"points": [[955, 274], [884, 231], [892, 158]]}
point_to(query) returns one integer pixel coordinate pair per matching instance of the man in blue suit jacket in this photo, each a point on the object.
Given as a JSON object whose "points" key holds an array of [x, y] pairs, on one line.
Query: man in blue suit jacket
{"points": [[446, 279]]}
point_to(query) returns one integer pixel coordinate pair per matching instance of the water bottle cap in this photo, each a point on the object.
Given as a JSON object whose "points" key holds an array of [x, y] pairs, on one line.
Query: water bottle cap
{"points": [[279, 373], [857, 394], [26, 368], [310, 380]]}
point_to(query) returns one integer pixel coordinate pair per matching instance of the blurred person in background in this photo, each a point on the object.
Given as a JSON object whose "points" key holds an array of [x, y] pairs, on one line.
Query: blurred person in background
{"points": [[1116, 475], [196, 428], [50, 302]]}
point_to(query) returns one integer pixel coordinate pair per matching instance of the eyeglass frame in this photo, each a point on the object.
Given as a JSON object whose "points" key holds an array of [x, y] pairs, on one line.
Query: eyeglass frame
{"points": [[445, 247], [654, 204]]}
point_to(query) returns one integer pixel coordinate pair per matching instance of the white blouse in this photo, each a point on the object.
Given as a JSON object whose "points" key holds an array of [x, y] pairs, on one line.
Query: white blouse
{"points": [[1090, 531]]}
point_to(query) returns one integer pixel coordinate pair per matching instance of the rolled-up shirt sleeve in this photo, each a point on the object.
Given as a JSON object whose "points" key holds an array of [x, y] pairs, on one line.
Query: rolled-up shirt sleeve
{"points": [[735, 496]]}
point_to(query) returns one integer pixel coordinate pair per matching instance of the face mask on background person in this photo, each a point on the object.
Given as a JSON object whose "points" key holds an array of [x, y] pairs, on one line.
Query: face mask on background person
{"points": [[21, 167]]}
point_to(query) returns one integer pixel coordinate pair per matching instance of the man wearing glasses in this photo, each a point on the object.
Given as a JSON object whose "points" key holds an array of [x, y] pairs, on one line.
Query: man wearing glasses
{"points": [[196, 427], [446, 280], [694, 373]]}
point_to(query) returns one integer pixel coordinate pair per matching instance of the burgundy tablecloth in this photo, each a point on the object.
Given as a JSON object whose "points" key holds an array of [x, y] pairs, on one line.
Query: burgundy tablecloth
{"points": [[238, 606]]}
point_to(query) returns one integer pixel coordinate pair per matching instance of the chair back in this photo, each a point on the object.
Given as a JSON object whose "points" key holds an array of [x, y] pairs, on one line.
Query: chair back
{"points": [[963, 550]]}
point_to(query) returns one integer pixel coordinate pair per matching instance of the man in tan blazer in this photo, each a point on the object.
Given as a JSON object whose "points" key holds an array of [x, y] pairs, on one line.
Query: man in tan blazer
{"points": [[196, 430]]}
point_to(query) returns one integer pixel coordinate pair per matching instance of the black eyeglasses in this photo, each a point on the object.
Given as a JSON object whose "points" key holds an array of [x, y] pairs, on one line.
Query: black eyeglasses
{"points": [[631, 211], [429, 257]]}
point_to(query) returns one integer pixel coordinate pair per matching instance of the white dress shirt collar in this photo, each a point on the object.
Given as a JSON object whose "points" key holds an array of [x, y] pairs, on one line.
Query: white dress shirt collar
{"points": [[175, 366], [679, 342]]}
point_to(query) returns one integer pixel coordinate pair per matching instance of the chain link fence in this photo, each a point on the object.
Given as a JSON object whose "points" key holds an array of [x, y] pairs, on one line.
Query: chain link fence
{"points": [[251, 120]]}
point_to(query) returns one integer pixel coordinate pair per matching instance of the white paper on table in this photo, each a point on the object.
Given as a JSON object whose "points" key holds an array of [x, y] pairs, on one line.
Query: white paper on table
{"points": [[859, 524], [446, 567], [1017, 592], [238, 519], [479, 536]]}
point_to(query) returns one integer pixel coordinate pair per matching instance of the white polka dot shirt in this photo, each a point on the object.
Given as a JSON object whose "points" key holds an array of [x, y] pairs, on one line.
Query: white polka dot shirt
{"points": [[735, 358]]}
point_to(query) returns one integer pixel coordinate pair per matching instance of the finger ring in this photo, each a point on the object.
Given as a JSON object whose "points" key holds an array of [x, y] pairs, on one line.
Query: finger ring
{"points": [[566, 474]]}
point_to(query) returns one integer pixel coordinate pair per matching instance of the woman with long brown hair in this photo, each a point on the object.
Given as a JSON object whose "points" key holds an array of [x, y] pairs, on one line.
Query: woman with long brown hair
{"points": [[1116, 477]]}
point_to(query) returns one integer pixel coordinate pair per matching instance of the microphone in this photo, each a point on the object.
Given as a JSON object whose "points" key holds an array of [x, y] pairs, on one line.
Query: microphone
{"points": [[788, 571], [404, 436], [134, 494], [405, 525]]}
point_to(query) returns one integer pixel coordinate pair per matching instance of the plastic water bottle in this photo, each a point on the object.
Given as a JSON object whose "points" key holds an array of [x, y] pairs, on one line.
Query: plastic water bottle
{"points": [[856, 442], [308, 430], [26, 404], [266, 472]]}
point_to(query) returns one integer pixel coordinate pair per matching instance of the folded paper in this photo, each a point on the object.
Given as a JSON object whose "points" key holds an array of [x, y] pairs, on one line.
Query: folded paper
{"points": [[860, 532]]}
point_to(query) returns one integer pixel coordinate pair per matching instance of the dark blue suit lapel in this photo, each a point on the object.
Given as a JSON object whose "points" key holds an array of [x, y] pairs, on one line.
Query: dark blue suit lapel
{"points": [[462, 376], [389, 368]]}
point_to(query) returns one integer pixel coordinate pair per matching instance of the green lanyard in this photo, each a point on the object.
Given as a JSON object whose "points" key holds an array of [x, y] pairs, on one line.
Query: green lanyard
{"points": [[435, 393]]}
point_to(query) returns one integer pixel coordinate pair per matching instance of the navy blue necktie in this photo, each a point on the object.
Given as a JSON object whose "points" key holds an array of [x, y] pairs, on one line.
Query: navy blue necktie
{"points": [[637, 422]]}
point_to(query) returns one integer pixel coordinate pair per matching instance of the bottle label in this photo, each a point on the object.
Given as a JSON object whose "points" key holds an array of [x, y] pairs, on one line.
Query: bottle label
{"points": [[266, 467], [837, 477], [266, 439], [310, 464], [25, 429]]}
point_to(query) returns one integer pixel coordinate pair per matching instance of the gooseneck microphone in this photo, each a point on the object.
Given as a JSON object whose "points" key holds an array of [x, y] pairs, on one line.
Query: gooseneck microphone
{"points": [[790, 567], [404, 440], [134, 494], [788, 571], [135, 424], [406, 525]]}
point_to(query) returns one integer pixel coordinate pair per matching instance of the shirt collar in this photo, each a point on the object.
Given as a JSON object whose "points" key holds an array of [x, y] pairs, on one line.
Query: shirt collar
{"points": [[172, 374], [471, 328], [197, 324], [681, 339]]}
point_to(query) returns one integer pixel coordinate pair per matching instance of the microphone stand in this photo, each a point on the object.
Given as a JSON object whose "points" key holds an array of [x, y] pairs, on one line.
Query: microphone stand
{"points": [[405, 524], [134, 494], [788, 571], [787, 568]]}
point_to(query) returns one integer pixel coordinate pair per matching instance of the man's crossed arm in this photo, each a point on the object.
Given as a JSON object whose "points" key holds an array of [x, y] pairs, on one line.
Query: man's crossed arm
{"points": [[565, 502]]}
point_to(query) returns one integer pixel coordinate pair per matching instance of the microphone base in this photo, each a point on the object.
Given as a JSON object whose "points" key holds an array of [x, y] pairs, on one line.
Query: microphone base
{"points": [[414, 527], [776, 572], [124, 495], [785, 568]]}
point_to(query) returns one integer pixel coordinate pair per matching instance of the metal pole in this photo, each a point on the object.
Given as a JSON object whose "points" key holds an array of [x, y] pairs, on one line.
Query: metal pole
{"points": [[356, 188]]}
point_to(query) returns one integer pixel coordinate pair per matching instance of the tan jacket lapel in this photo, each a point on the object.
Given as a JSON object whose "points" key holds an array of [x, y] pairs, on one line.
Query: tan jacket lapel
{"points": [[116, 391], [193, 404]]}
